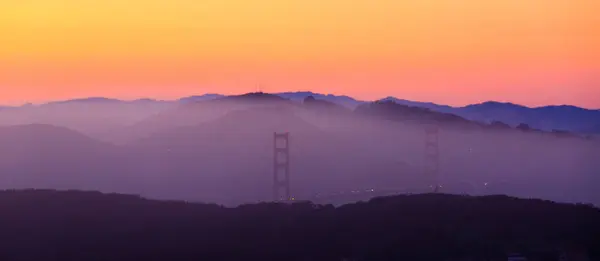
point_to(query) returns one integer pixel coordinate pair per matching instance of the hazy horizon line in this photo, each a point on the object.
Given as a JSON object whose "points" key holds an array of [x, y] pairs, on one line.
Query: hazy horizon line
{"points": [[178, 98]]}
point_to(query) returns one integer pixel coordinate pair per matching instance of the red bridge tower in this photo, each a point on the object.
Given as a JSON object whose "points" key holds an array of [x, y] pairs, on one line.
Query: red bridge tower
{"points": [[281, 167]]}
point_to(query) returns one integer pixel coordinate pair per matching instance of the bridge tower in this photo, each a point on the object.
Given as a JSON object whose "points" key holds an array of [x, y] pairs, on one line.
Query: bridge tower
{"points": [[281, 166], [432, 156]]}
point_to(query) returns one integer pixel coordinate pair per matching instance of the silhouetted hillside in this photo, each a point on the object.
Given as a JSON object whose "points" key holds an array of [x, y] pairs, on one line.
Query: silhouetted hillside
{"points": [[85, 100], [390, 110], [397, 110], [342, 100], [45, 156], [427, 105], [261, 121], [231, 158], [46, 142], [193, 112], [311, 102], [222, 151], [51, 225], [199, 98], [96, 117], [547, 118], [253, 97]]}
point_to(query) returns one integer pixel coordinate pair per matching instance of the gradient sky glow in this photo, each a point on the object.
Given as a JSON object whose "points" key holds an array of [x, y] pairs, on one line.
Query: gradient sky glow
{"points": [[533, 52]]}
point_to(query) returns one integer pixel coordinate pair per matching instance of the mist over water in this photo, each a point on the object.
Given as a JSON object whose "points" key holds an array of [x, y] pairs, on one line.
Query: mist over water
{"points": [[222, 151]]}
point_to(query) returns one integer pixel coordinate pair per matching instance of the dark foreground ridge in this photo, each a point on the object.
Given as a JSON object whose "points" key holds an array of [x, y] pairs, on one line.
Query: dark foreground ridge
{"points": [[72, 225]]}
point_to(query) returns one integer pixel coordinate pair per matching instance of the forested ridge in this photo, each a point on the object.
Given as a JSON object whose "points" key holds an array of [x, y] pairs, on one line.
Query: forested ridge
{"points": [[74, 225]]}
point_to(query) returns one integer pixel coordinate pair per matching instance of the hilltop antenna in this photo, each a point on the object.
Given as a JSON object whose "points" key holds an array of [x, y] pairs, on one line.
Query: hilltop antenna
{"points": [[281, 166], [432, 156], [259, 88]]}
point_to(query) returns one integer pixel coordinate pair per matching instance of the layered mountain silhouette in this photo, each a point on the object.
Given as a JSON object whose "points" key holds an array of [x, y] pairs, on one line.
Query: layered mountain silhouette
{"points": [[89, 100], [237, 149], [221, 150], [564, 118], [342, 100], [45, 156], [205, 97], [398, 112], [193, 113], [547, 118], [93, 116], [318, 104]]}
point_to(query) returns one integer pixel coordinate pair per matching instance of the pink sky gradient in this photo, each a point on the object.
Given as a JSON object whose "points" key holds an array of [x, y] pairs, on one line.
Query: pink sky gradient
{"points": [[456, 52]]}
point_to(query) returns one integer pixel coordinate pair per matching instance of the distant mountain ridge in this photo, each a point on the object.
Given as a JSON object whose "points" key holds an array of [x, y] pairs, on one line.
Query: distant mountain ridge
{"points": [[391, 110], [195, 151], [548, 118], [343, 100], [87, 100], [205, 97]]}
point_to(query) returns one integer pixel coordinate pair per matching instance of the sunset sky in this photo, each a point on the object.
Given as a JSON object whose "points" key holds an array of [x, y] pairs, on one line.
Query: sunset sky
{"points": [[532, 52]]}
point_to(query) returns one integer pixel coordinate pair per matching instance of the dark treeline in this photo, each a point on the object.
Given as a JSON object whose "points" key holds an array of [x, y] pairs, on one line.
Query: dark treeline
{"points": [[51, 225]]}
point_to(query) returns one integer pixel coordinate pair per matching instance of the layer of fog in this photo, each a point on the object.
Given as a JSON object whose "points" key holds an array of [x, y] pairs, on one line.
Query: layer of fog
{"points": [[222, 151]]}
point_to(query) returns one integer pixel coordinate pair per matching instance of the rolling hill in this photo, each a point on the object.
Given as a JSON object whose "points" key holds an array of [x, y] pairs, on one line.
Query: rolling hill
{"points": [[342, 100], [76, 225], [193, 113], [236, 150], [220, 150], [45, 156], [547, 118]]}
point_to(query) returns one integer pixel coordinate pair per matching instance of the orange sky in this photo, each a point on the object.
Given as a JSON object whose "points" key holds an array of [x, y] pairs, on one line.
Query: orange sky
{"points": [[533, 52]]}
